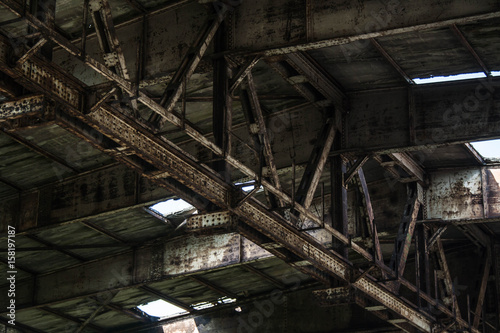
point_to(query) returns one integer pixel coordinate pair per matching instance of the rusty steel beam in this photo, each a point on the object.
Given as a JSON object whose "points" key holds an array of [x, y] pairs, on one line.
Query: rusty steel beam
{"points": [[222, 110], [138, 267], [474, 153], [76, 209], [101, 306], [405, 232], [437, 234], [338, 199], [188, 65], [263, 133], [408, 164], [108, 40], [355, 167], [68, 317], [298, 82], [469, 47], [105, 232], [209, 221], [166, 158], [402, 167], [305, 65], [242, 73], [377, 250], [210, 285], [107, 37], [393, 63], [24, 106], [446, 278], [482, 290], [251, 212], [32, 51], [316, 164]]}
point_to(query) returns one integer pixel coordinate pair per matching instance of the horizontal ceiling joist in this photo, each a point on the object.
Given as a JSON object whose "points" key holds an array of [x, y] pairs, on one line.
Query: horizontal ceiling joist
{"points": [[59, 203], [443, 114], [135, 268], [308, 29]]}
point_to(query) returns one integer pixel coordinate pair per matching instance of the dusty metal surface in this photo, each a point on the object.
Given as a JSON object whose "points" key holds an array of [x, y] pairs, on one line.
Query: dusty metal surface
{"points": [[65, 218]]}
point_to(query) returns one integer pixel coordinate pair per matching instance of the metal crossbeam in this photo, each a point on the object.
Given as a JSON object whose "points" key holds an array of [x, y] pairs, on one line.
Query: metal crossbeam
{"points": [[166, 157], [256, 117], [188, 65], [405, 232], [316, 164], [482, 290], [446, 277], [377, 250]]}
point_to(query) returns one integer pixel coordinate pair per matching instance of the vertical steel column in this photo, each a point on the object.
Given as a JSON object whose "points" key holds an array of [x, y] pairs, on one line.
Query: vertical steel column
{"points": [[45, 11], [221, 110], [339, 197]]}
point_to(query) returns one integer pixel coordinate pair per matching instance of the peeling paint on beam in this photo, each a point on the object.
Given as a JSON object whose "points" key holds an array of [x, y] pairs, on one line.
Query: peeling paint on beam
{"points": [[134, 268], [24, 106], [59, 204]]}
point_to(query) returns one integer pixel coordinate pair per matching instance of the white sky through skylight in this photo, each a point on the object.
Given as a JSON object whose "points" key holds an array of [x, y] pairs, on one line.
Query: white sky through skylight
{"points": [[162, 309], [495, 73], [488, 149], [457, 77], [171, 206]]}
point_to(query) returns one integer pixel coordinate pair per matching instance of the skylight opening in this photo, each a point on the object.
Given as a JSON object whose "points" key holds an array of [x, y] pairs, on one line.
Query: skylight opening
{"points": [[495, 73], [171, 206], [203, 305], [248, 186], [458, 77], [162, 309], [489, 149], [226, 300], [208, 305]]}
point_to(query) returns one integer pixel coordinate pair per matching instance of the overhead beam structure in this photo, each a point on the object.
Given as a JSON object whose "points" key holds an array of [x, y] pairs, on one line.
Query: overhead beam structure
{"points": [[158, 158], [134, 268], [166, 158], [406, 229]]}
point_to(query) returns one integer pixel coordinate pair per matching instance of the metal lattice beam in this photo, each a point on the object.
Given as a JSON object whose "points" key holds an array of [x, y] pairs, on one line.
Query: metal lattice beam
{"points": [[156, 152]]}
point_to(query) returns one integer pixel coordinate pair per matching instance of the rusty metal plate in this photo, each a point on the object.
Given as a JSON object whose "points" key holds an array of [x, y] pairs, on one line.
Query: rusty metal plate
{"points": [[203, 222], [21, 107], [454, 195]]}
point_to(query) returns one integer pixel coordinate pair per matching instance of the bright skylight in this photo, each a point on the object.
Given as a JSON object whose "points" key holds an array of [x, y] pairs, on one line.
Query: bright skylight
{"points": [[207, 305], [171, 206], [162, 309], [458, 77], [495, 73], [488, 149], [247, 186]]}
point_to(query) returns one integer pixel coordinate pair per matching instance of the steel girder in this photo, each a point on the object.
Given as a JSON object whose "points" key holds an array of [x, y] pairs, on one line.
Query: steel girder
{"points": [[39, 76]]}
